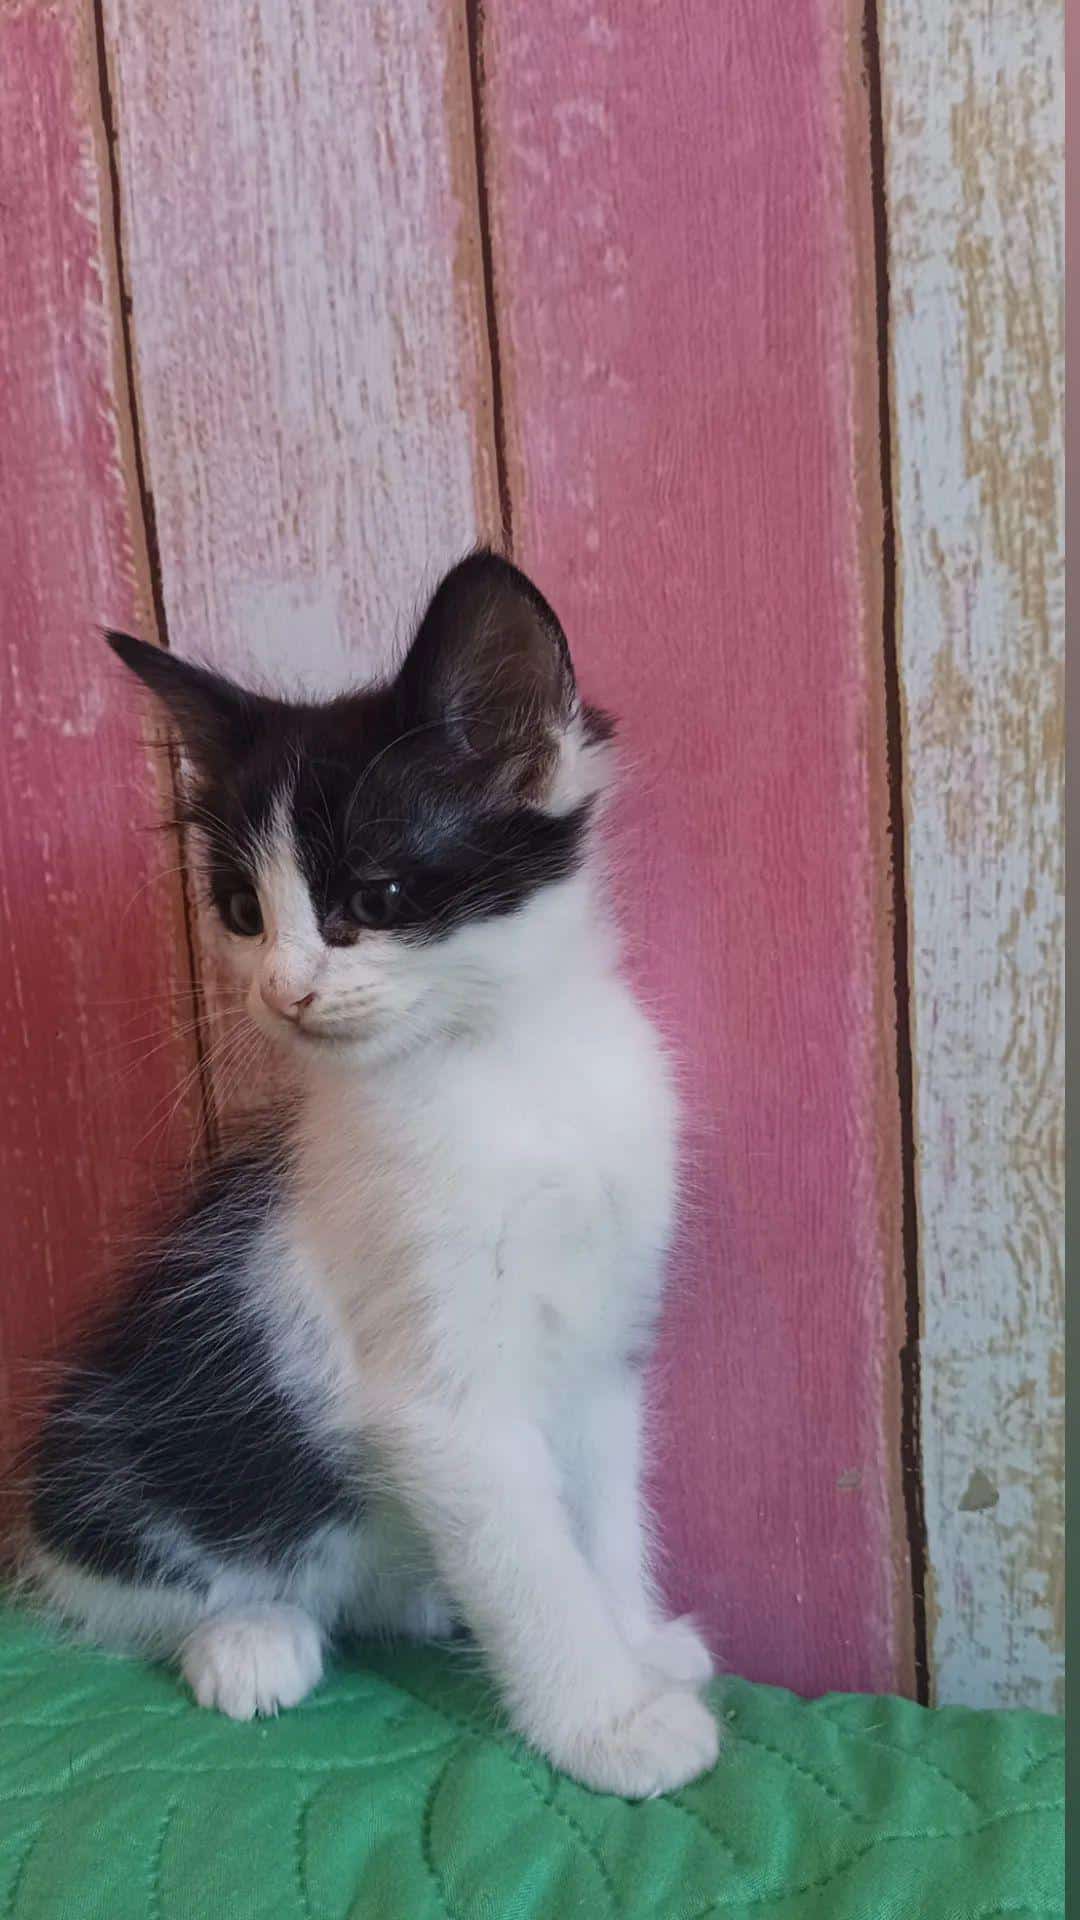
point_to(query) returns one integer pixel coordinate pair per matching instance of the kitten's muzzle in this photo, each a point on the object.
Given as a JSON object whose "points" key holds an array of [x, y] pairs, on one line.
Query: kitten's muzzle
{"points": [[283, 1001]]}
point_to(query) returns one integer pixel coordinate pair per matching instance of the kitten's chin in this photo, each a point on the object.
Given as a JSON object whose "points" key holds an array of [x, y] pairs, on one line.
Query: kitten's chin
{"points": [[354, 1049], [361, 1044], [302, 1042], [313, 1043]]}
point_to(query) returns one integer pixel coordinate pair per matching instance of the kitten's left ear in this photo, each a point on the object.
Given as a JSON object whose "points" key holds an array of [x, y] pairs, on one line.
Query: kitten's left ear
{"points": [[490, 664], [218, 721]]}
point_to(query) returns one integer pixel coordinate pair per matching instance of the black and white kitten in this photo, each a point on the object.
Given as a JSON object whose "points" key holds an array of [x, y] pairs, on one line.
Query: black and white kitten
{"points": [[386, 1373]]}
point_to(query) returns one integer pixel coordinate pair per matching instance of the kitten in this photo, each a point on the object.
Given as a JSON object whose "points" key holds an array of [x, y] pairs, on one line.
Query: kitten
{"points": [[386, 1372]]}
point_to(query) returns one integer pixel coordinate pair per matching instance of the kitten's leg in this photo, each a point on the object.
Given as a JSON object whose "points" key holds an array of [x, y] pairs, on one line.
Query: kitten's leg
{"points": [[397, 1593], [487, 1495], [614, 1525], [253, 1659]]}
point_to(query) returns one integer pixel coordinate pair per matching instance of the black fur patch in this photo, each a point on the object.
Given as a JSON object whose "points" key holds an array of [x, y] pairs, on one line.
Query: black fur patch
{"points": [[171, 1412], [372, 795]]}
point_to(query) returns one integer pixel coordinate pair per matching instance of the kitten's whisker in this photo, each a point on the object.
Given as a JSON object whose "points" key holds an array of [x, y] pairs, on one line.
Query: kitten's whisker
{"points": [[203, 1066], [160, 873], [162, 1038]]}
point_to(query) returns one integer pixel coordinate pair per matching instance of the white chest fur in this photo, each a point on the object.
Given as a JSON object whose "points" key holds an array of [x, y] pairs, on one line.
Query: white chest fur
{"points": [[500, 1211]]}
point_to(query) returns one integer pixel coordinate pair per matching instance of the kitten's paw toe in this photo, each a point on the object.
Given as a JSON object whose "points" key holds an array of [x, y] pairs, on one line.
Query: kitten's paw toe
{"points": [[253, 1662], [661, 1746], [677, 1650]]}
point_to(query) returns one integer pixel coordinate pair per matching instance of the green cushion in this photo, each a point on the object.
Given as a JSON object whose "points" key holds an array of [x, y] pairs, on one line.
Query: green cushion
{"points": [[393, 1793]]}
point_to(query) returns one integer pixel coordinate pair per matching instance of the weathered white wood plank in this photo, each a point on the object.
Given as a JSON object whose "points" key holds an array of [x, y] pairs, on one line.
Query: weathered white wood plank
{"points": [[974, 137], [303, 252]]}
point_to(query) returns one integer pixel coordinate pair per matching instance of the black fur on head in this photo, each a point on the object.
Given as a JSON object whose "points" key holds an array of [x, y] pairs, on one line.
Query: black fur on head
{"points": [[417, 803]]}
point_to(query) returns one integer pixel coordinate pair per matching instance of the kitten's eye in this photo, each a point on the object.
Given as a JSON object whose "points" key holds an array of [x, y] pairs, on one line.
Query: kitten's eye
{"points": [[244, 914], [376, 905]]}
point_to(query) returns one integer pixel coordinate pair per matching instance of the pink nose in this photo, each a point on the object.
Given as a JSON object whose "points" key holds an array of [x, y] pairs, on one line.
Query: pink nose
{"points": [[283, 1000]]}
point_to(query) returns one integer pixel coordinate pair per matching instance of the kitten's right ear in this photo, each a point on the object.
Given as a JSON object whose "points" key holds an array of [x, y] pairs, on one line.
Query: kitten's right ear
{"points": [[217, 721]]}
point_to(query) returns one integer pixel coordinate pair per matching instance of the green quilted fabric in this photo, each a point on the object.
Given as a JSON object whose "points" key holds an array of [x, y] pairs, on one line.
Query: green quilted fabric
{"points": [[391, 1795]]}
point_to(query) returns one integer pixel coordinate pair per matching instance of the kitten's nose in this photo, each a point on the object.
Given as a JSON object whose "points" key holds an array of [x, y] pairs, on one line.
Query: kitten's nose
{"points": [[283, 1000]]}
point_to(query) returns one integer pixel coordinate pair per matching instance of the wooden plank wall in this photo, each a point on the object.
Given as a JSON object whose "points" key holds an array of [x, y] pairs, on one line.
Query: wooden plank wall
{"points": [[396, 275], [95, 1015], [975, 131]]}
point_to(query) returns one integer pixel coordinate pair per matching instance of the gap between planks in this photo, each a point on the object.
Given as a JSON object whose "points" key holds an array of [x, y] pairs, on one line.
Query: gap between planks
{"points": [[910, 1392], [474, 26]]}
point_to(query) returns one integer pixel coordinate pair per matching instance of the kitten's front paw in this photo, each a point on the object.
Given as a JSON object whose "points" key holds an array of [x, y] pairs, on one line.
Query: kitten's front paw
{"points": [[253, 1662], [677, 1650], [661, 1746]]}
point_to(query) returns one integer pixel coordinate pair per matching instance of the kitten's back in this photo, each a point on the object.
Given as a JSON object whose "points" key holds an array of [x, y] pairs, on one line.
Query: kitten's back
{"points": [[173, 1445]]}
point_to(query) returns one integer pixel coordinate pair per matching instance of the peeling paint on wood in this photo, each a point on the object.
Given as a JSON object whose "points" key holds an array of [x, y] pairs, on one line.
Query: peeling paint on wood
{"points": [[681, 281], [301, 233], [974, 137], [95, 1058]]}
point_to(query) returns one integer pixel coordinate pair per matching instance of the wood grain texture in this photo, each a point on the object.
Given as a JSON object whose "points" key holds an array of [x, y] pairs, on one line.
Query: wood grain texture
{"points": [[300, 224], [682, 240], [974, 132], [95, 1060]]}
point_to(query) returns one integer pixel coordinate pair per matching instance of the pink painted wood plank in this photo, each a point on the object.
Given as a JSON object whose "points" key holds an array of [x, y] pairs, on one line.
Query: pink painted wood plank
{"points": [[90, 938], [681, 229]]}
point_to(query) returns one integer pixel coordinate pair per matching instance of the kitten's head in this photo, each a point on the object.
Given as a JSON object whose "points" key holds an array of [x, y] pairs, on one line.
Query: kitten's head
{"points": [[384, 862]]}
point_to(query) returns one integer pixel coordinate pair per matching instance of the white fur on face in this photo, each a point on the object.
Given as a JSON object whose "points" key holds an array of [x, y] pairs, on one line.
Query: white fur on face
{"points": [[359, 991], [293, 961]]}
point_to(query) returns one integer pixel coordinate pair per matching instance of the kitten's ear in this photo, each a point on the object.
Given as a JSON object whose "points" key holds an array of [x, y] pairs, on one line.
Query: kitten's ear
{"points": [[491, 664], [217, 721]]}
